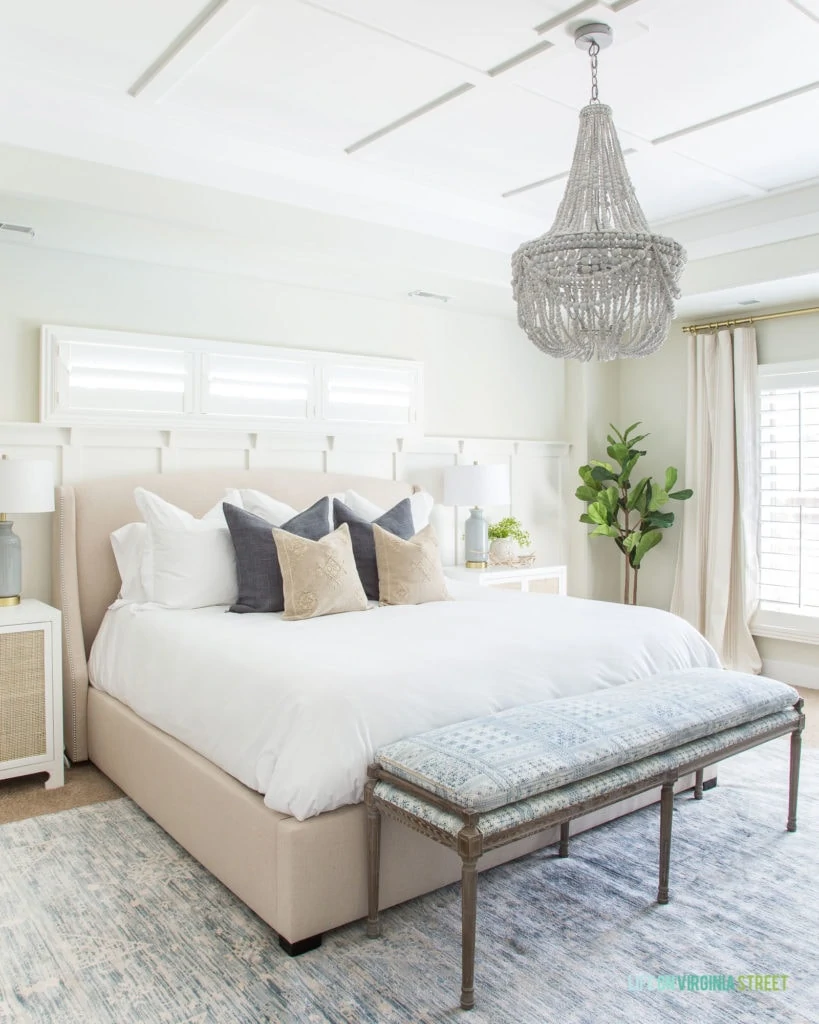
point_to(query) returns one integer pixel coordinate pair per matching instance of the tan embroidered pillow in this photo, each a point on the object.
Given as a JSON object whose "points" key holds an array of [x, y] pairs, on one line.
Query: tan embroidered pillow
{"points": [[409, 571], [319, 576]]}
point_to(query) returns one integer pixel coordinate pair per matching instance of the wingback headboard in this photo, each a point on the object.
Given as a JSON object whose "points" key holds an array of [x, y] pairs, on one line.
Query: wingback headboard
{"points": [[85, 578]]}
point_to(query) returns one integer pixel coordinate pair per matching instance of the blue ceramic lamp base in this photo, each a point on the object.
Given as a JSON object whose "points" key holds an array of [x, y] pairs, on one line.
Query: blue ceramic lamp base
{"points": [[476, 537], [10, 565]]}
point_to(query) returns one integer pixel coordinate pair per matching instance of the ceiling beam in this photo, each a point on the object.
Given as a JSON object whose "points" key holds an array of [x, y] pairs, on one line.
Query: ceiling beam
{"points": [[197, 39]]}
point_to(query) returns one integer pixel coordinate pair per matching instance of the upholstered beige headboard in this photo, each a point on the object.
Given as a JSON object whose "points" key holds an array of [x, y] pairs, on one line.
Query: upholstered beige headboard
{"points": [[85, 578]]}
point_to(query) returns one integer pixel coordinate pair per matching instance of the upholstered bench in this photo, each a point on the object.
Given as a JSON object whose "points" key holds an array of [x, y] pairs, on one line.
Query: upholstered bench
{"points": [[481, 784]]}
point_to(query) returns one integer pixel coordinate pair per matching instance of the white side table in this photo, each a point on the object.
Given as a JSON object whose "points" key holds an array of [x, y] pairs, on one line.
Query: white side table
{"points": [[540, 579], [31, 692]]}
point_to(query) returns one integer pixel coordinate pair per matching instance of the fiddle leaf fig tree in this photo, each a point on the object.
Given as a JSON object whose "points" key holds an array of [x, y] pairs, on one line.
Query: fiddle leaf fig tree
{"points": [[631, 514]]}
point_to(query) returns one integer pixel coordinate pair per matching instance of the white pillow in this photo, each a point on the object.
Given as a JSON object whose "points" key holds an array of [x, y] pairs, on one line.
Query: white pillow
{"points": [[421, 504], [273, 511], [129, 543], [187, 562]]}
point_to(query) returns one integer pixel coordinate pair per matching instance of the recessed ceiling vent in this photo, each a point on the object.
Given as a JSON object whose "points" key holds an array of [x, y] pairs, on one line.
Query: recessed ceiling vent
{"points": [[19, 229], [431, 296], [748, 302]]}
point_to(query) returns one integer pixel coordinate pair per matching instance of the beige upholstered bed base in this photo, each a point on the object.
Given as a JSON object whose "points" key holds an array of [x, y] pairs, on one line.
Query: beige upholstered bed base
{"points": [[302, 878]]}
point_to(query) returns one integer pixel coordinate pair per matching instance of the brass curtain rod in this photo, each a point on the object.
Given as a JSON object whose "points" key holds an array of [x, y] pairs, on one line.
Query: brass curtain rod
{"points": [[696, 328]]}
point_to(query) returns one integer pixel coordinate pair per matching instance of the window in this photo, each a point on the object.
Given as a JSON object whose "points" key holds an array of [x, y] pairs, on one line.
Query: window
{"points": [[92, 376], [789, 448]]}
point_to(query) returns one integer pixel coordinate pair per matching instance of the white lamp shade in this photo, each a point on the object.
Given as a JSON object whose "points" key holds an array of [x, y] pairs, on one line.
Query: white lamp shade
{"points": [[477, 485], [26, 485]]}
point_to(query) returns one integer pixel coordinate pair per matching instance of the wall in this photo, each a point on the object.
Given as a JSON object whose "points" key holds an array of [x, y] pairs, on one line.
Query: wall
{"points": [[482, 377], [654, 390]]}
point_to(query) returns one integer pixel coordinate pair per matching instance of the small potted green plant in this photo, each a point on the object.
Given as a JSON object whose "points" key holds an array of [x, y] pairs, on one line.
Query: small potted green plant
{"points": [[507, 537]]}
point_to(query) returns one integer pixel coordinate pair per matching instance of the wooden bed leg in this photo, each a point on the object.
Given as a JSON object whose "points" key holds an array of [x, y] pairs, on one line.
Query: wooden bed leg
{"points": [[563, 849], [469, 924], [373, 861], [666, 816], [301, 946], [796, 755], [698, 780]]}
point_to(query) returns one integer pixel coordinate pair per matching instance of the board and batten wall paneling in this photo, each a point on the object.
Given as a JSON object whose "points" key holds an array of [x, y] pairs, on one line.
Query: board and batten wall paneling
{"points": [[537, 470]]}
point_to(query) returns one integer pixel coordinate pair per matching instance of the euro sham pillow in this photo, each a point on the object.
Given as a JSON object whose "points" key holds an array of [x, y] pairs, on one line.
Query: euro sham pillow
{"points": [[259, 577], [186, 562], [409, 571], [319, 576], [420, 502], [276, 512], [397, 520]]}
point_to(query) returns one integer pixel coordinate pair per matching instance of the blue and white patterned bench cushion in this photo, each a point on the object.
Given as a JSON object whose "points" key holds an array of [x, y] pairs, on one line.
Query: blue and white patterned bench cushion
{"points": [[490, 762], [557, 800]]}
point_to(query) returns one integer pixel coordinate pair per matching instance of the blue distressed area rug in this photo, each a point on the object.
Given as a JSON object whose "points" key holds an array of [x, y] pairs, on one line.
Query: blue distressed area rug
{"points": [[103, 918]]}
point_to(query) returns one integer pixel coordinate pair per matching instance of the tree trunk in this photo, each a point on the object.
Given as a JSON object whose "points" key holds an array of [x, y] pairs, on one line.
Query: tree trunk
{"points": [[626, 587], [634, 588]]}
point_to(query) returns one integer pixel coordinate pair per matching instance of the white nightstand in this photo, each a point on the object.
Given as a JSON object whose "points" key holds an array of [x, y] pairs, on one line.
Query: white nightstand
{"points": [[31, 692], [540, 579]]}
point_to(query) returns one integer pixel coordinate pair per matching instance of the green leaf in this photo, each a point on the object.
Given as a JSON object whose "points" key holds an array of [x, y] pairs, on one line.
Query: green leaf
{"points": [[633, 539], [605, 531], [660, 520], [634, 441], [618, 452], [616, 432], [611, 499], [648, 541], [587, 478], [605, 465], [628, 430], [587, 493], [636, 493], [670, 477], [601, 473], [658, 498], [681, 495], [628, 466], [586, 518], [598, 513]]}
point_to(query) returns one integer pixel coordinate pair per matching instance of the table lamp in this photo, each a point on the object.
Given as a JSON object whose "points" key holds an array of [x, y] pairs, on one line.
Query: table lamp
{"points": [[477, 486], [26, 485]]}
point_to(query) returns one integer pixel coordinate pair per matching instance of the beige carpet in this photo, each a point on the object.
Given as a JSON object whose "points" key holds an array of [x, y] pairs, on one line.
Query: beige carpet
{"points": [[85, 784], [27, 797]]}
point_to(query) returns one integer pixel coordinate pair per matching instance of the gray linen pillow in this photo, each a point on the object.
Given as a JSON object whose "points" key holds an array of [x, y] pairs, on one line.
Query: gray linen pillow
{"points": [[258, 571], [396, 520]]}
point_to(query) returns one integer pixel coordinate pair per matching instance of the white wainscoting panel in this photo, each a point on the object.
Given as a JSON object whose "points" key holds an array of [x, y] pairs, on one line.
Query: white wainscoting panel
{"points": [[538, 471]]}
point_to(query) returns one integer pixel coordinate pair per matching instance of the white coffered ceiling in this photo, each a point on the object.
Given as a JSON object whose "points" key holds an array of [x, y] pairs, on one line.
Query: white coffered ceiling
{"points": [[456, 118]]}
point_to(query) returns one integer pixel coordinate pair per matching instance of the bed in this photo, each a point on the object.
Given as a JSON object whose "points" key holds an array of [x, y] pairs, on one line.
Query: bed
{"points": [[247, 738]]}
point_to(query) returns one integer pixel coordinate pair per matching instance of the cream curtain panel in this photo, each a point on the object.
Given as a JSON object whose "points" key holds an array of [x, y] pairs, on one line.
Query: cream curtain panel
{"points": [[717, 578]]}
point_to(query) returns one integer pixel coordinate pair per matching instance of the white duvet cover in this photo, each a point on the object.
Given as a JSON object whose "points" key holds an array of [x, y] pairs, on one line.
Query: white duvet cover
{"points": [[296, 709]]}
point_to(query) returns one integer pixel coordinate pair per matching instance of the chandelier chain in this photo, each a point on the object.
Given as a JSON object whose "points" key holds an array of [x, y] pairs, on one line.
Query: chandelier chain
{"points": [[594, 49]]}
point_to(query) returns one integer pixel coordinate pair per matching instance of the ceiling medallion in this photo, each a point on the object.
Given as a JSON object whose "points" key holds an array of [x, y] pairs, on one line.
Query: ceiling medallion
{"points": [[598, 283]]}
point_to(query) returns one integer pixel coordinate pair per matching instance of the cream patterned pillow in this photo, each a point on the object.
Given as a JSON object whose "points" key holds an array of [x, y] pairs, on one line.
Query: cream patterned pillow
{"points": [[409, 571], [319, 576]]}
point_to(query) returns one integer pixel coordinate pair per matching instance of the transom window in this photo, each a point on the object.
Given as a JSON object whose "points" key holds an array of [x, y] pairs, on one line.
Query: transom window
{"points": [[94, 376]]}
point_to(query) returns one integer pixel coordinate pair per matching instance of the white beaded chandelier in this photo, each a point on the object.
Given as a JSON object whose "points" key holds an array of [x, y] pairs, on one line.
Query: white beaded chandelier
{"points": [[598, 283]]}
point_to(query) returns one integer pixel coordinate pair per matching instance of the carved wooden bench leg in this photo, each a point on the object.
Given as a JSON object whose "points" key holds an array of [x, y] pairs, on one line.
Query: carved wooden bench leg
{"points": [[469, 924], [666, 817], [373, 862], [563, 849], [698, 782], [796, 755]]}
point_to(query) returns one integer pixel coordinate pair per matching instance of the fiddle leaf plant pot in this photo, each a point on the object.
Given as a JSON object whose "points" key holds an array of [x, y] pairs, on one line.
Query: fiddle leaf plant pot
{"points": [[507, 537], [632, 515]]}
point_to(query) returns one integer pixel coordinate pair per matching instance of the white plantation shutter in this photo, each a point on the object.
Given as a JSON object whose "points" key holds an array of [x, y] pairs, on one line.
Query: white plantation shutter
{"points": [[370, 394], [122, 379], [789, 443], [95, 376], [257, 387]]}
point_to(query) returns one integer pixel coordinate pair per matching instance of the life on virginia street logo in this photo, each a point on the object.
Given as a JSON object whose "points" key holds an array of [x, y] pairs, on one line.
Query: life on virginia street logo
{"points": [[708, 982]]}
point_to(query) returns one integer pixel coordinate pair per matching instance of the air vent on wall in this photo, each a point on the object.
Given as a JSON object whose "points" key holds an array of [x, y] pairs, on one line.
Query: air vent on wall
{"points": [[433, 296], [748, 302], [19, 229]]}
